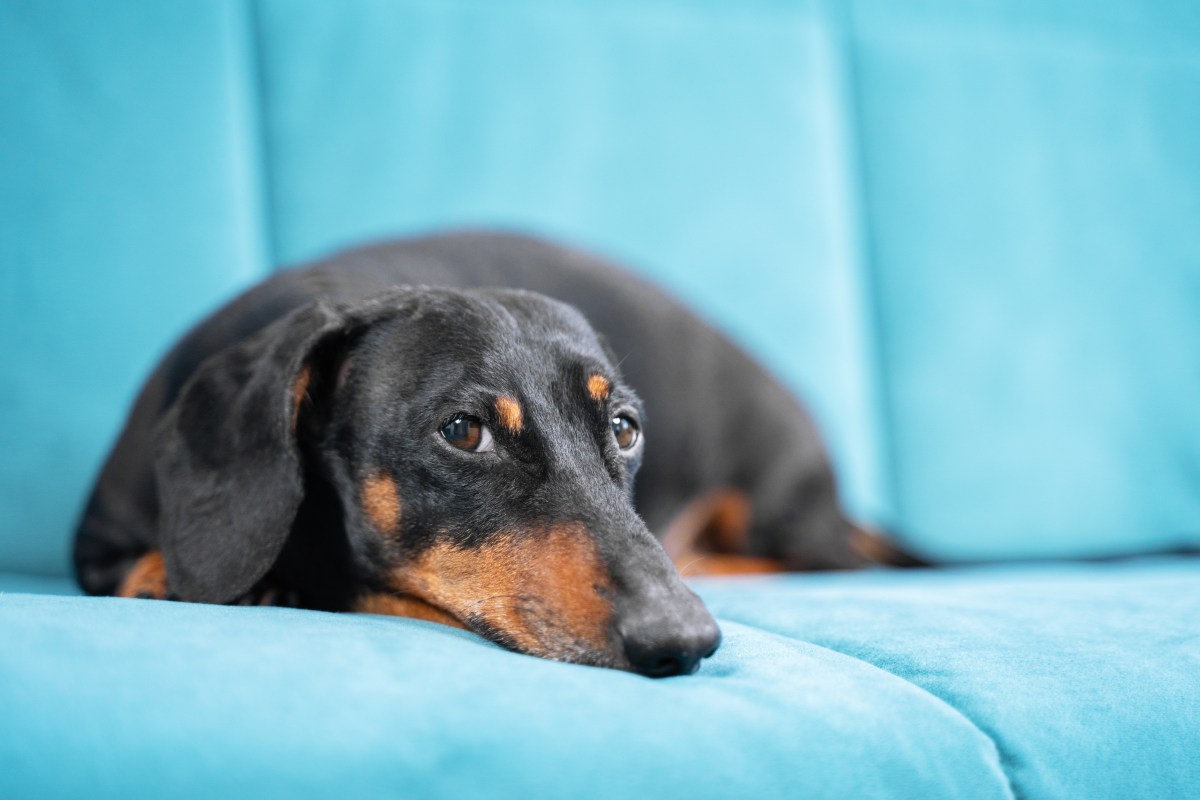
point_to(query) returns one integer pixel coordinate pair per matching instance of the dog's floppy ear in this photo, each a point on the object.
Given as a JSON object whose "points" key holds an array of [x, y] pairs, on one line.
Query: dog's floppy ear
{"points": [[227, 462]]}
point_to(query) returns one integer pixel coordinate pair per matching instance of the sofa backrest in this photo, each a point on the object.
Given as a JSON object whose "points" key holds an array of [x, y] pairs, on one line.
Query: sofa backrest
{"points": [[969, 237]]}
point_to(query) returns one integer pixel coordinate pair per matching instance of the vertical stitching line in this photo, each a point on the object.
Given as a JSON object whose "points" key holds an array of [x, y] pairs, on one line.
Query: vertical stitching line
{"points": [[256, 112], [863, 263]]}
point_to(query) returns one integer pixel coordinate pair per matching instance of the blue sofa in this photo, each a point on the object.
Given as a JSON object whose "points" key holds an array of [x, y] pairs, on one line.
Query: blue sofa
{"points": [[967, 233]]}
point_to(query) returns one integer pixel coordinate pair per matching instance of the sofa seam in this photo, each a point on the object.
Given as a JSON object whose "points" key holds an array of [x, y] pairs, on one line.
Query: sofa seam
{"points": [[254, 101], [957, 712], [862, 262]]}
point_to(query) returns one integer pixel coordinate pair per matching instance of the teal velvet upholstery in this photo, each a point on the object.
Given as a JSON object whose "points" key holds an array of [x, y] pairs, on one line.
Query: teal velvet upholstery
{"points": [[1025, 682], [128, 207], [1086, 677], [281, 703], [616, 125], [1032, 182]]}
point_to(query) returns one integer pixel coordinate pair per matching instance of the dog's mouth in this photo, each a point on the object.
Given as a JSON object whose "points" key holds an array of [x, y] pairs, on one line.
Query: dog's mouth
{"points": [[397, 604], [547, 593], [521, 623], [526, 624], [542, 592]]}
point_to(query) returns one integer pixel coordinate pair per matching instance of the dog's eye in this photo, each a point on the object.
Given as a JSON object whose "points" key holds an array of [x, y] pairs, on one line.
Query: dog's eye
{"points": [[625, 430], [468, 433]]}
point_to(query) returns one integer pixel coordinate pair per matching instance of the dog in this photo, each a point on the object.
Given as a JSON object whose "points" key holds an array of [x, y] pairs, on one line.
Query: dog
{"points": [[380, 432]]}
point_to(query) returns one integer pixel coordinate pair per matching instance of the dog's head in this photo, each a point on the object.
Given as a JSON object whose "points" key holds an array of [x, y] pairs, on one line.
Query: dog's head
{"points": [[482, 448]]}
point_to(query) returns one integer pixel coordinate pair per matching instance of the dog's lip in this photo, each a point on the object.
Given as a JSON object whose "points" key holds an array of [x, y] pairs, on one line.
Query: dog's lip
{"points": [[566, 650], [446, 616], [570, 654]]}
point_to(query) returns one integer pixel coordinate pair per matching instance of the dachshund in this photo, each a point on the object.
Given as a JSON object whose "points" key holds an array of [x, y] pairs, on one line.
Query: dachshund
{"points": [[382, 432]]}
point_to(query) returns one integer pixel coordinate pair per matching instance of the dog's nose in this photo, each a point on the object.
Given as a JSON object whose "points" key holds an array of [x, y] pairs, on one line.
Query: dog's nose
{"points": [[659, 647]]}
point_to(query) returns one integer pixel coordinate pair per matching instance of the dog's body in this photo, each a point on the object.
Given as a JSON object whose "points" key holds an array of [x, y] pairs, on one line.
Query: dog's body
{"points": [[284, 449]]}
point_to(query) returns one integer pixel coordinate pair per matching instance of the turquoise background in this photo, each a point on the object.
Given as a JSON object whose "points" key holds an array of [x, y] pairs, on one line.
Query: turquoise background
{"points": [[968, 234]]}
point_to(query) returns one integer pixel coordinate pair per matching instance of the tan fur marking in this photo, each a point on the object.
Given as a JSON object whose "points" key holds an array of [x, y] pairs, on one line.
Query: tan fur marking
{"points": [[715, 522], [148, 576], [877, 548], [381, 503], [299, 390], [394, 605], [542, 590], [598, 388], [711, 534], [508, 410], [715, 564]]}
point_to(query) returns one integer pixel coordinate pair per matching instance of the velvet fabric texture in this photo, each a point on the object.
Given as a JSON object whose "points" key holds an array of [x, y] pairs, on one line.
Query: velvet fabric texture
{"points": [[1060, 682], [113, 698], [1087, 677]]}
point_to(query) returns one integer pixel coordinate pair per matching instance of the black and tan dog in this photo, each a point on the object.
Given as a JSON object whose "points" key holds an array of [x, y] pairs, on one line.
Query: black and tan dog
{"points": [[376, 433]]}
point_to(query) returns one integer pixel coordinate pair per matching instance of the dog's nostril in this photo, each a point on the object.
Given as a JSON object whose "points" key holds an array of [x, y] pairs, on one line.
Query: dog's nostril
{"points": [[658, 654], [665, 668]]}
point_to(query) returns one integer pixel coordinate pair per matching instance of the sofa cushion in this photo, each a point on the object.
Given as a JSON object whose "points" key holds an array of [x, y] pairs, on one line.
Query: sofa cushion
{"points": [[1032, 189], [875, 684], [1087, 677], [114, 698], [129, 202], [708, 145]]}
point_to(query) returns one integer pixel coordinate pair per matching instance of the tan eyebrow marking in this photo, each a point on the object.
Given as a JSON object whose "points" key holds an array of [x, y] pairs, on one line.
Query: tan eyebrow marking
{"points": [[509, 412], [299, 390], [598, 387], [381, 502]]}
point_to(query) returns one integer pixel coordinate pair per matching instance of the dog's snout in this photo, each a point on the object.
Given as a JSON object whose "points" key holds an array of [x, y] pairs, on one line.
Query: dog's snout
{"points": [[662, 645]]}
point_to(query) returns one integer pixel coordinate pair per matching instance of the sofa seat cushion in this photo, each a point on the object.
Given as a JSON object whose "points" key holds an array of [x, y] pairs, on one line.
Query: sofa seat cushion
{"points": [[107, 697], [1035, 682], [1087, 677]]}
